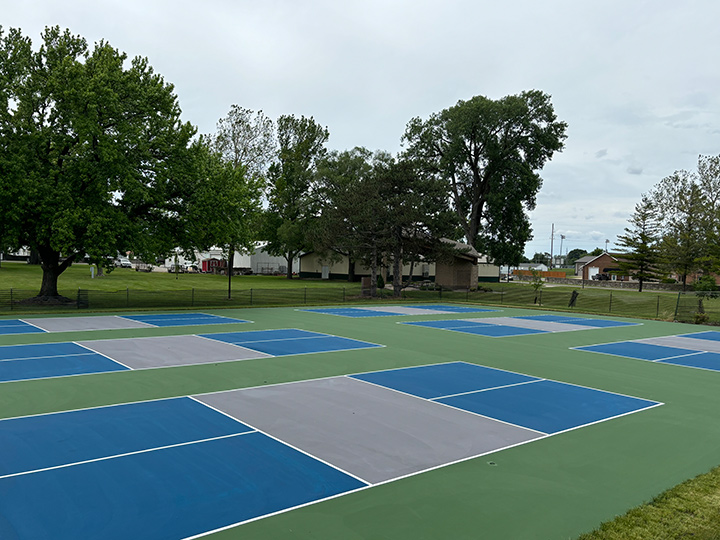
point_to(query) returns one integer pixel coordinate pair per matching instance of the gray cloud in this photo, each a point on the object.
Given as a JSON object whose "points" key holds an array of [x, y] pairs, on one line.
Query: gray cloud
{"points": [[641, 86]]}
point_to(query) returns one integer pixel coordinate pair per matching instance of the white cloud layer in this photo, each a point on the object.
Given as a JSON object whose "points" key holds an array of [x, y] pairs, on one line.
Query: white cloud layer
{"points": [[635, 81]]}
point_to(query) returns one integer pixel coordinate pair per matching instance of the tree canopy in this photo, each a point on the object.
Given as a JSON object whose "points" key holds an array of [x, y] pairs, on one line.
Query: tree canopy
{"points": [[94, 158], [301, 143], [489, 153]]}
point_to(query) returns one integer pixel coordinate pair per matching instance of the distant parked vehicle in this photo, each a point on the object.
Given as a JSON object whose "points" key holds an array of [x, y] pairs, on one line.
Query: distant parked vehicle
{"points": [[123, 262]]}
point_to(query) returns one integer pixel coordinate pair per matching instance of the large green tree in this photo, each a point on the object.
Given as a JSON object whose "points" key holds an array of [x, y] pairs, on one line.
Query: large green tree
{"points": [[246, 142], [489, 153], [639, 256], [375, 207], [291, 177], [688, 204], [94, 158]]}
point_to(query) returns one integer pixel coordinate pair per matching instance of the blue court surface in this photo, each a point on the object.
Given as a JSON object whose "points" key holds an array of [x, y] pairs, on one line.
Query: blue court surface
{"points": [[539, 404], [167, 469], [519, 326], [181, 467], [675, 350], [16, 326], [290, 341], [389, 311], [182, 319], [39, 361], [109, 322]]}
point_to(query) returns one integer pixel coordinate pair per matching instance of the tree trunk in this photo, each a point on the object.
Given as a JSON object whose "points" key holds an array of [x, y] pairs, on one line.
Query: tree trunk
{"points": [[373, 273], [230, 261], [397, 273], [289, 258], [351, 270], [52, 268]]}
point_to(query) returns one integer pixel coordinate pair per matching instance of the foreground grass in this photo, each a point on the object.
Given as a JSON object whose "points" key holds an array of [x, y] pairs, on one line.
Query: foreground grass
{"points": [[689, 510]]}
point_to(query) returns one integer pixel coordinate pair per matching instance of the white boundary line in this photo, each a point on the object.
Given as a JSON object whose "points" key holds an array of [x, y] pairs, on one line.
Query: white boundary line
{"points": [[263, 354], [308, 454], [485, 389], [46, 356], [33, 325], [134, 452], [542, 433], [409, 475]]}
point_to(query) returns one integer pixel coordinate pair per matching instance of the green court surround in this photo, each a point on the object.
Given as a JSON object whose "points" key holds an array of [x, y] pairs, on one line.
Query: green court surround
{"points": [[557, 488]]}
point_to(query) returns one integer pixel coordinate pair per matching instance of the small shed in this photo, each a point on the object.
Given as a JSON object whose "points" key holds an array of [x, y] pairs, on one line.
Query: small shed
{"points": [[462, 271]]}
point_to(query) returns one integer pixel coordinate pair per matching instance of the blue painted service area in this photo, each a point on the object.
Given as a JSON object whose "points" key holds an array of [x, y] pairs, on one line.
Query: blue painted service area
{"points": [[155, 491], [443, 379], [663, 354], [522, 400], [39, 361], [182, 319], [16, 326]]}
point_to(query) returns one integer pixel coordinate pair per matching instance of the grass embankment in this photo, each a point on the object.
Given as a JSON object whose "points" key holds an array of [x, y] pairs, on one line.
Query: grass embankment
{"points": [[689, 510]]}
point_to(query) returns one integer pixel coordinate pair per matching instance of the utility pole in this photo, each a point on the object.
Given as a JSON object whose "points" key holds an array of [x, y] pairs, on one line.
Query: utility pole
{"points": [[562, 237]]}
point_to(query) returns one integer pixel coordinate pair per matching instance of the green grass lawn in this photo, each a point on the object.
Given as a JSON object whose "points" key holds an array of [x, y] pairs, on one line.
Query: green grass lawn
{"points": [[20, 275]]}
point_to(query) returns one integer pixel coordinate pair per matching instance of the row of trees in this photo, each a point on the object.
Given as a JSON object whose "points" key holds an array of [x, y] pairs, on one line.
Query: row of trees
{"points": [[95, 160], [675, 228]]}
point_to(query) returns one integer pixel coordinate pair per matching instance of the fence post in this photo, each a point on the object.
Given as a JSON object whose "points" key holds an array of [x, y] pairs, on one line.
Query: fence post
{"points": [[610, 308], [657, 310], [305, 296], [192, 297], [251, 297], [540, 297], [677, 306], [467, 295]]}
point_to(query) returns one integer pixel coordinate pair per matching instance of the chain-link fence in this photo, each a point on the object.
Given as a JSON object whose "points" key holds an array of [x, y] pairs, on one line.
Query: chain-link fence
{"points": [[683, 307]]}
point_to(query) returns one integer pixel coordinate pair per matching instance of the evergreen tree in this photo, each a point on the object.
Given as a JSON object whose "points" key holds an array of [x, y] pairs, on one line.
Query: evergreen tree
{"points": [[640, 255]]}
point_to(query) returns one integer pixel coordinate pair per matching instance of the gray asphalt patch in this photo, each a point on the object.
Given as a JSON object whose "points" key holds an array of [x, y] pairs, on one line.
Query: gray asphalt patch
{"points": [[78, 324], [153, 352], [371, 432], [684, 343]]}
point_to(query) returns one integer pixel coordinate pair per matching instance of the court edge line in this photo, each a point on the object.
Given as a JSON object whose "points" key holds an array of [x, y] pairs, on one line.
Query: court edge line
{"points": [[46, 356], [584, 349], [180, 396], [654, 405], [663, 361], [534, 332], [98, 353], [370, 486], [147, 326], [33, 325], [486, 389], [524, 428], [265, 356], [135, 452], [258, 430]]}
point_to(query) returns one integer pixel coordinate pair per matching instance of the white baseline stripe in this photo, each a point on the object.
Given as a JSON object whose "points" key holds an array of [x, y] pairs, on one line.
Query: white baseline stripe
{"points": [[106, 458]]}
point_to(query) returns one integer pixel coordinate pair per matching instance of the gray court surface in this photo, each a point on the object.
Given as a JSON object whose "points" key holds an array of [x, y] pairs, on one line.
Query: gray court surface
{"points": [[153, 352], [532, 324], [373, 433], [402, 310], [72, 324], [694, 344]]}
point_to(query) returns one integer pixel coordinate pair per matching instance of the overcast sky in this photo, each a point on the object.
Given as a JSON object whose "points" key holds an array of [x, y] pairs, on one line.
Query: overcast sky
{"points": [[636, 81]]}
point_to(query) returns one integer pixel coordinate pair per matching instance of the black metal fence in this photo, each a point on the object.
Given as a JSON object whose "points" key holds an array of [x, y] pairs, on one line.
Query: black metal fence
{"points": [[681, 307]]}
